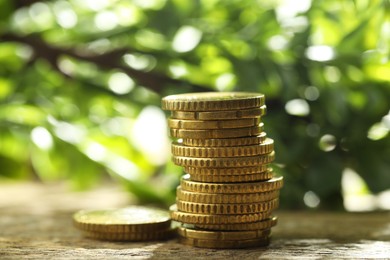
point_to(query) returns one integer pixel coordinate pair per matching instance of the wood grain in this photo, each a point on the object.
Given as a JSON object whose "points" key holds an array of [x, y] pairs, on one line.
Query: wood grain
{"points": [[35, 223]]}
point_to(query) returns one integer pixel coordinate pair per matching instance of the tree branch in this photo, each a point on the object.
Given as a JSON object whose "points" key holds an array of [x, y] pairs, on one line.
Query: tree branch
{"points": [[151, 80]]}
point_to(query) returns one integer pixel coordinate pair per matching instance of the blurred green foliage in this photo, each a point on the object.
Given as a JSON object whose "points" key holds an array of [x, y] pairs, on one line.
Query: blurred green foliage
{"points": [[81, 83]]}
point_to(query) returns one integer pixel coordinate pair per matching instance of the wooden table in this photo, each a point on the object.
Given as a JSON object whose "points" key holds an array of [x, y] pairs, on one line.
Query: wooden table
{"points": [[35, 223]]}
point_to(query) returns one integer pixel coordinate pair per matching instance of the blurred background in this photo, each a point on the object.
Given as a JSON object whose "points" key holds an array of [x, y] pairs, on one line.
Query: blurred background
{"points": [[81, 83]]}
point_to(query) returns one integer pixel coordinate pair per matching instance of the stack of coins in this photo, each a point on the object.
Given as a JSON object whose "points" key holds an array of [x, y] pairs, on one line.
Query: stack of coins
{"points": [[226, 197], [134, 223]]}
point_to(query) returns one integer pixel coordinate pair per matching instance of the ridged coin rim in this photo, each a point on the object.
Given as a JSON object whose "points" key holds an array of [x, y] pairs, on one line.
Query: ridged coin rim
{"points": [[262, 176], [264, 224], [212, 124], [192, 218], [224, 162], [220, 115], [225, 142], [217, 133], [209, 198], [223, 235], [228, 188], [114, 220], [228, 208], [208, 101], [178, 149], [215, 244]]}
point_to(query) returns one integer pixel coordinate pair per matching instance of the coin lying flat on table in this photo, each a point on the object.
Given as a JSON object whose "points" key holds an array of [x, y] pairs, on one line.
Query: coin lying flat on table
{"points": [[210, 101], [138, 236], [226, 142], [218, 198], [195, 218], [130, 223], [226, 188], [234, 151], [264, 224], [228, 208], [261, 176], [225, 244], [224, 162], [223, 235], [217, 133], [220, 115], [212, 124], [228, 171]]}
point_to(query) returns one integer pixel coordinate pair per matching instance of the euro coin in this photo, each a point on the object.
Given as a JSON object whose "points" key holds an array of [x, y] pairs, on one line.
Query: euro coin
{"points": [[228, 171], [224, 162], [192, 218], [261, 176], [138, 236], [223, 209], [228, 188], [225, 244], [131, 219], [212, 124], [264, 224], [223, 235], [209, 198], [217, 133], [235, 151], [220, 115], [225, 142], [210, 101]]}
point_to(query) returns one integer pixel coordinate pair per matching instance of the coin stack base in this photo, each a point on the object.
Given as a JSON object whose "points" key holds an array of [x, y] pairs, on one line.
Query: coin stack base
{"points": [[227, 196]]}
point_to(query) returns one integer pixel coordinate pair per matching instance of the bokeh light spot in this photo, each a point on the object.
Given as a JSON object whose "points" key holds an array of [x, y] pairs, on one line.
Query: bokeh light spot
{"points": [[313, 130], [297, 107], [225, 82], [120, 83], [106, 20], [186, 39], [312, 93], [150, 135], [320, 53], [377, 131], [327, 143], [65, 15], [311, 199], [42, 138]]}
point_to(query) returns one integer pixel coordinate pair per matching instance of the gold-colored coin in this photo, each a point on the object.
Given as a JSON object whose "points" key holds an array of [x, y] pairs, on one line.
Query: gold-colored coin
{"points": [[227, 209], [209, 198], [210, 101], [139, 236], [227, 171], [224, 162], [261, 176], [125, 220], [226, 244], [192, 218], [234, 151], [226, 142], [211, 124], [264, 224], [223, 235], [226, 188], [220, 115], [217, 133]]}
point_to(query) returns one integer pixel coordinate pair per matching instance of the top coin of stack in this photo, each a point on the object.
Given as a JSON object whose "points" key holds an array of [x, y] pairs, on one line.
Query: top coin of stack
{"points": [[228, 194]]}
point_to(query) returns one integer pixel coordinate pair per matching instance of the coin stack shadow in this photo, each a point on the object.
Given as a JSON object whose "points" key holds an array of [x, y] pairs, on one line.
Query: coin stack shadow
{"points": [[227, 196]]}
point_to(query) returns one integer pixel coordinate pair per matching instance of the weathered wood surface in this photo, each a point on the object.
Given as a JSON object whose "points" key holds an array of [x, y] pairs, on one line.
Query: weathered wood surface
{"points": [[35, 223]]}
